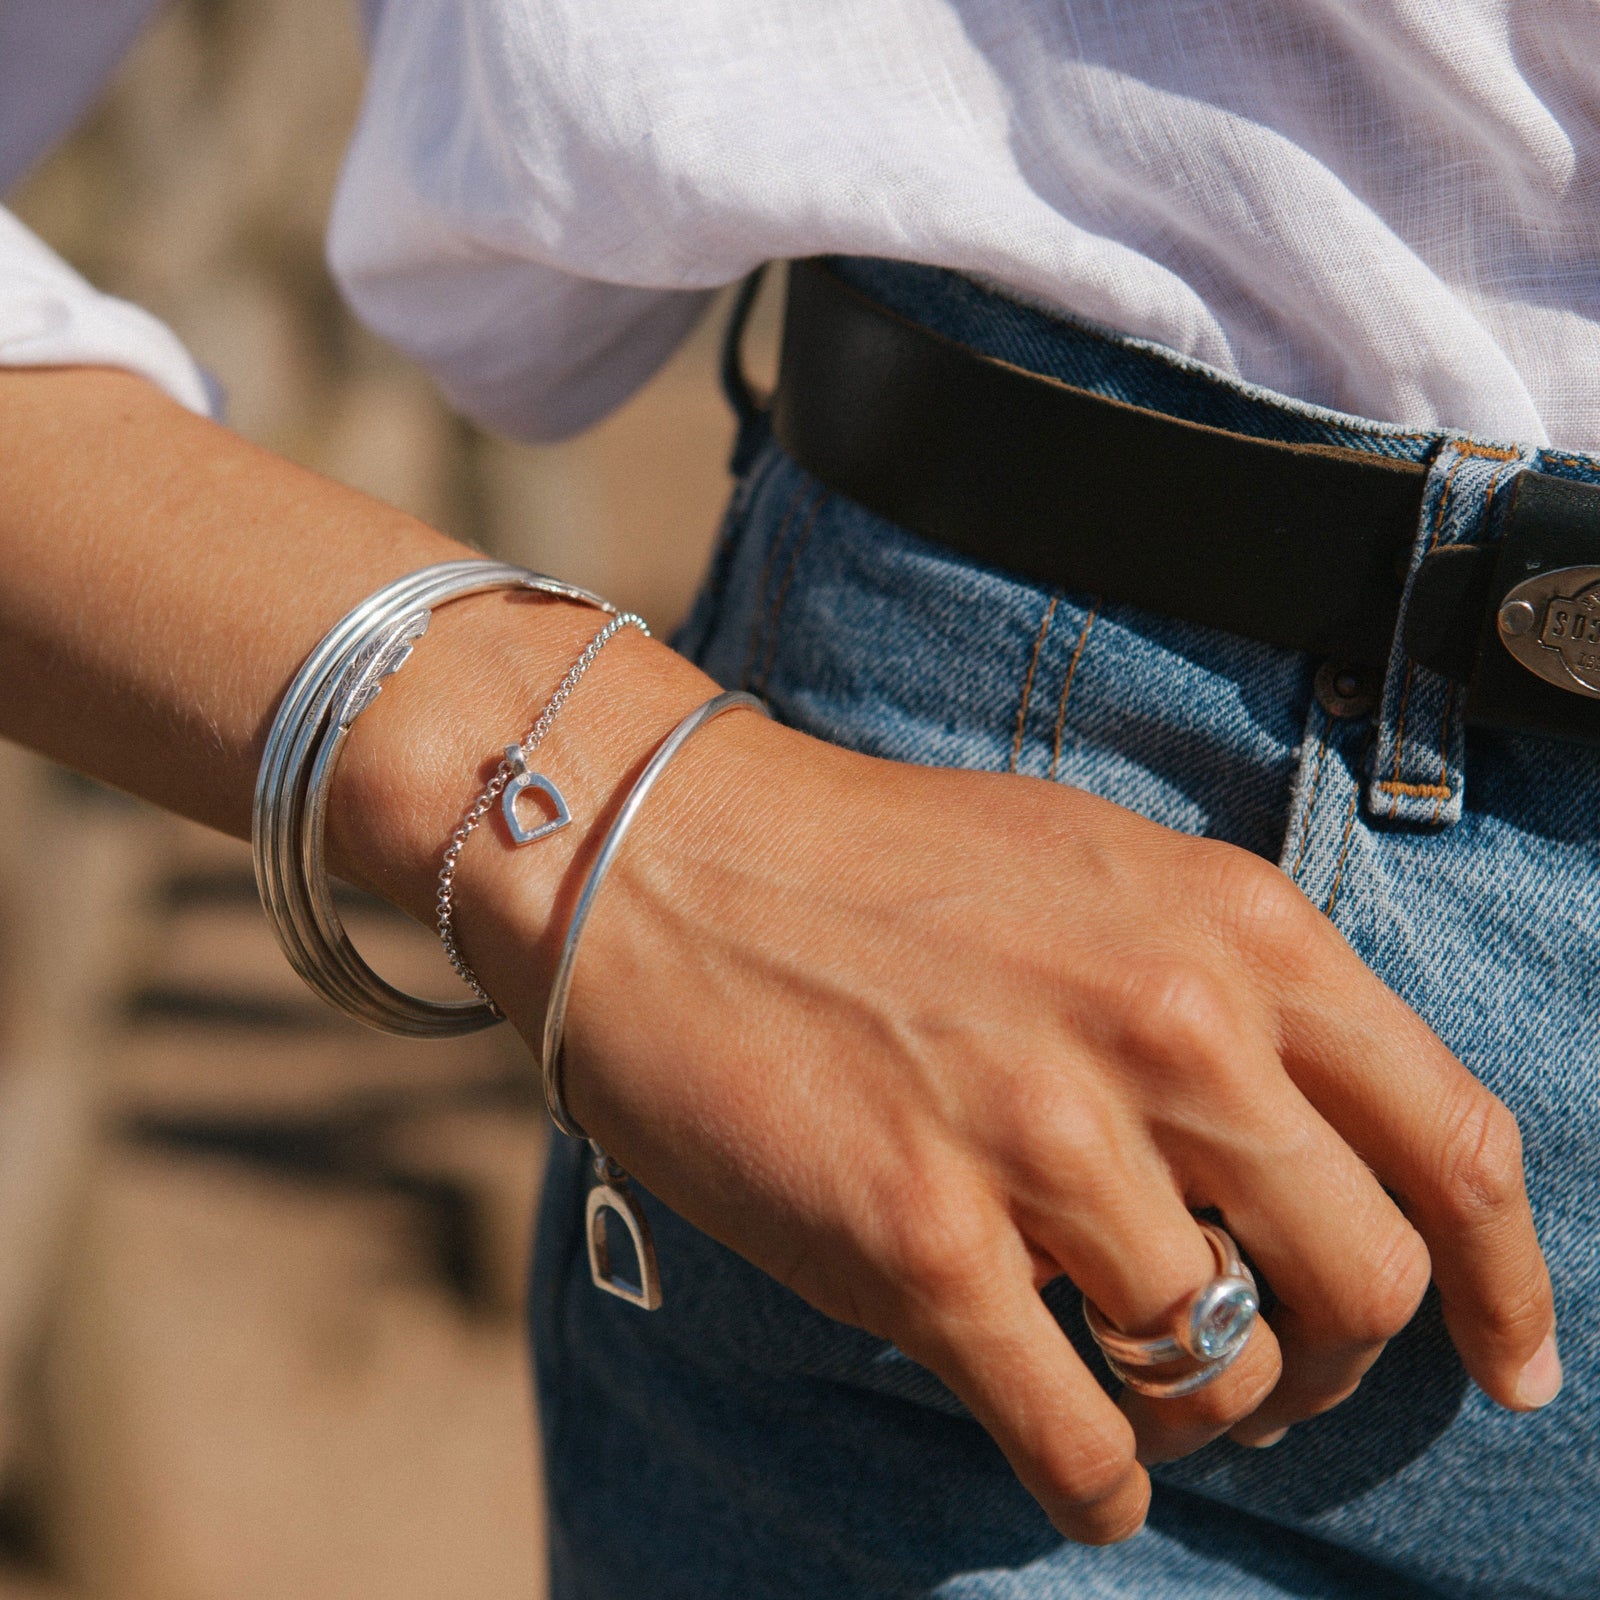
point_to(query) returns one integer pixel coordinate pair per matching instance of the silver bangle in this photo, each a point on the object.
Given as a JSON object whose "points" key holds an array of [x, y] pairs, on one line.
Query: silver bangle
{"points": [[555, 1016], [510, 778], [337, 682]]}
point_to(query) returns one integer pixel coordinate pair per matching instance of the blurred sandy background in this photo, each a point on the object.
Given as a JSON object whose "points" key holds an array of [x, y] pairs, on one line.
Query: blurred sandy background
{"points": [[261, 1271]]}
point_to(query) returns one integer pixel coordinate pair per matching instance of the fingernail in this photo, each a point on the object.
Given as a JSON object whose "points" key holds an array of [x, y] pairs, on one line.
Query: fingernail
{"points": [[1266, 1441], [1540, 1381]]}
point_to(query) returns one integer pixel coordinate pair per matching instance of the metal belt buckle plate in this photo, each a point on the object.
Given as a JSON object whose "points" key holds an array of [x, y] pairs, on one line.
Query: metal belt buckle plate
{"points": [[1537, 666], [1551, 624]]}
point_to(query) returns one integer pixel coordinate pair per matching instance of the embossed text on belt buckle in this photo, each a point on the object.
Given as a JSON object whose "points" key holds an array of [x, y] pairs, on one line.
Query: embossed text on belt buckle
{"points": [[1551, 624]]}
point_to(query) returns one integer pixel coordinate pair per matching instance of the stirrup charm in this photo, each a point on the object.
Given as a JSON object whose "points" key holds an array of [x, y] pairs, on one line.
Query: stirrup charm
{"points": [[522, 780], [613, 1194]]}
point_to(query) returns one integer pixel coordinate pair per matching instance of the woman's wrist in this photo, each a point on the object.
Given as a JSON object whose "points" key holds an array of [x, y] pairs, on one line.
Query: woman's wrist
{"points": [[417, 759]]}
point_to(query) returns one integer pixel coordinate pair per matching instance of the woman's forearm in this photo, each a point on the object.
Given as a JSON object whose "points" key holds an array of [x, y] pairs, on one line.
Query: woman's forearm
{"points": [[161, 579]]}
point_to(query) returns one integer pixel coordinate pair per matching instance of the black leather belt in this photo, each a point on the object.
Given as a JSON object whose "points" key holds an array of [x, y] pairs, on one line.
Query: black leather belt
{"points": [[1303, 546]]}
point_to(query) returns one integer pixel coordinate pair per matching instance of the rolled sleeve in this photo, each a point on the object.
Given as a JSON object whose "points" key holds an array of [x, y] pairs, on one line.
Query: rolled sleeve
{"points": [[458, 234], [51, 316]]}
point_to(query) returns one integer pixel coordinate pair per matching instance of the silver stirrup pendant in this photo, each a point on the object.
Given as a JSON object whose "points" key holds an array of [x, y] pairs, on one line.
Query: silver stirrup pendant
{"points": [[519, 783], [612, 1194]]}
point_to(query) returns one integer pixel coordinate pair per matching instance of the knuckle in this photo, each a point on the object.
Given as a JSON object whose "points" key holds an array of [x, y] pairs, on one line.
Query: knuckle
{"points": [[1089, 1466], [940, 1249], [1482, 1160], [1176, 1012], [1264, 911], [1396, 1280], [1517, 1320], [1104, 1530], [1323, 1401], [1220, 1405], [1046, 1126], [1186, 1034]]}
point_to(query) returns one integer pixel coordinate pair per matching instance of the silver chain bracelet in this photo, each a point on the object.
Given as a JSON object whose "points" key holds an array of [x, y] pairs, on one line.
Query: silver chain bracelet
{"points": [[511, 779]]}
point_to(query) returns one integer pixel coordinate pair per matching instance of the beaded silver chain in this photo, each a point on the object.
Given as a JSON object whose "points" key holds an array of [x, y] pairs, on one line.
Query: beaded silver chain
{"points": [[515, 766]]}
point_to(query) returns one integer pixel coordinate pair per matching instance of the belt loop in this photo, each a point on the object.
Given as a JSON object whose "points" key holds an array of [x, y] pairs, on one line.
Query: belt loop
{"points": [[1417, 774], [750, 409]]}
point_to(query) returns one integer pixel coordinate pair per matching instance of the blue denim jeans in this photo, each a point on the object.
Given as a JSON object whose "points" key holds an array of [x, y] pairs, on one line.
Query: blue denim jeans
{"points": [[737, 1443]]}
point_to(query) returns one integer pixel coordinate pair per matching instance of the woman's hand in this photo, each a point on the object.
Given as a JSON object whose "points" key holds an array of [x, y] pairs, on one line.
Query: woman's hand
{"points": [[917, 1041], [913, 1041]]}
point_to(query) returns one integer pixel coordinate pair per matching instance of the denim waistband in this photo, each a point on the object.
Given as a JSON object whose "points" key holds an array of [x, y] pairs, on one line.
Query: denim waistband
{"points": [[1417, 767]]}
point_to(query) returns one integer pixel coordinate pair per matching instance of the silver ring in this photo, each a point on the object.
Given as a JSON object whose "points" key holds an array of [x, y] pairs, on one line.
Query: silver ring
{"points": [[1208, 1335]]}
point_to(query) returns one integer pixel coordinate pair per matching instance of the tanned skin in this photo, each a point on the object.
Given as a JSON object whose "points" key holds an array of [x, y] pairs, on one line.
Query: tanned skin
{"points": [[911, 1064]]}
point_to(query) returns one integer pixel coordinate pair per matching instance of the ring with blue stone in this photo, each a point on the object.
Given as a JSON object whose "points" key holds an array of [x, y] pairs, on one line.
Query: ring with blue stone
{"points": [[1208, 1335]]}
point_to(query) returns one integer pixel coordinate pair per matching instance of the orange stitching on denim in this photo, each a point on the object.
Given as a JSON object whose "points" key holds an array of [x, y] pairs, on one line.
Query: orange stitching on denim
{"points": [[766, 582], [1400, 723], [1027, 683], [1311, 799], [776, 614], [1349, 825], [1383, 433], [1421, 791], [1066, 687], [1442, 787], [1489, 494], [1442, 790], [1405, 688]]}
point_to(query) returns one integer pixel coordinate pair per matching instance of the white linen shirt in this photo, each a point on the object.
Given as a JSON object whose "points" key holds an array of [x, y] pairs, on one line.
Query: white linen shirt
{"points": [[1387, 206], [54, 55]]}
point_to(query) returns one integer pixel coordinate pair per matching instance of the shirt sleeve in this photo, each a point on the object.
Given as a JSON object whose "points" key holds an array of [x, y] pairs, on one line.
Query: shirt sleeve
{"points": [[452, 230], [50, 316]]}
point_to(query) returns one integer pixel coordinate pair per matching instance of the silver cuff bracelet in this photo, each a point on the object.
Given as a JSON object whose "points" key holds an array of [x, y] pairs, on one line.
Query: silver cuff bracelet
{"points": [[555, 1015], [612, 1195]]}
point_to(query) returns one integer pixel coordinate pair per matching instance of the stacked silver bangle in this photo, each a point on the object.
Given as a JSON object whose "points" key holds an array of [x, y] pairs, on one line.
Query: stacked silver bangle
{"points": [[339, 680]]}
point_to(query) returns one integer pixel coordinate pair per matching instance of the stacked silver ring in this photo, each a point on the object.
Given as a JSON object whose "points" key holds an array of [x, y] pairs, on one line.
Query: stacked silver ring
{"points": [[338, 681], [1207, 1337]]}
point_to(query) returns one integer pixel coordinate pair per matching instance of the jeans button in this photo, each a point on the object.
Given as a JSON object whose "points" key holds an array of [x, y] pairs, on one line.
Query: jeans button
{"points": [[1344, 691]]}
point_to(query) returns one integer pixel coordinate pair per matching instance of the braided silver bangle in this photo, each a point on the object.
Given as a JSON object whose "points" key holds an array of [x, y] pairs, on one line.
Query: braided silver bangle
{"points": [[511, 778], [337, 682]]}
